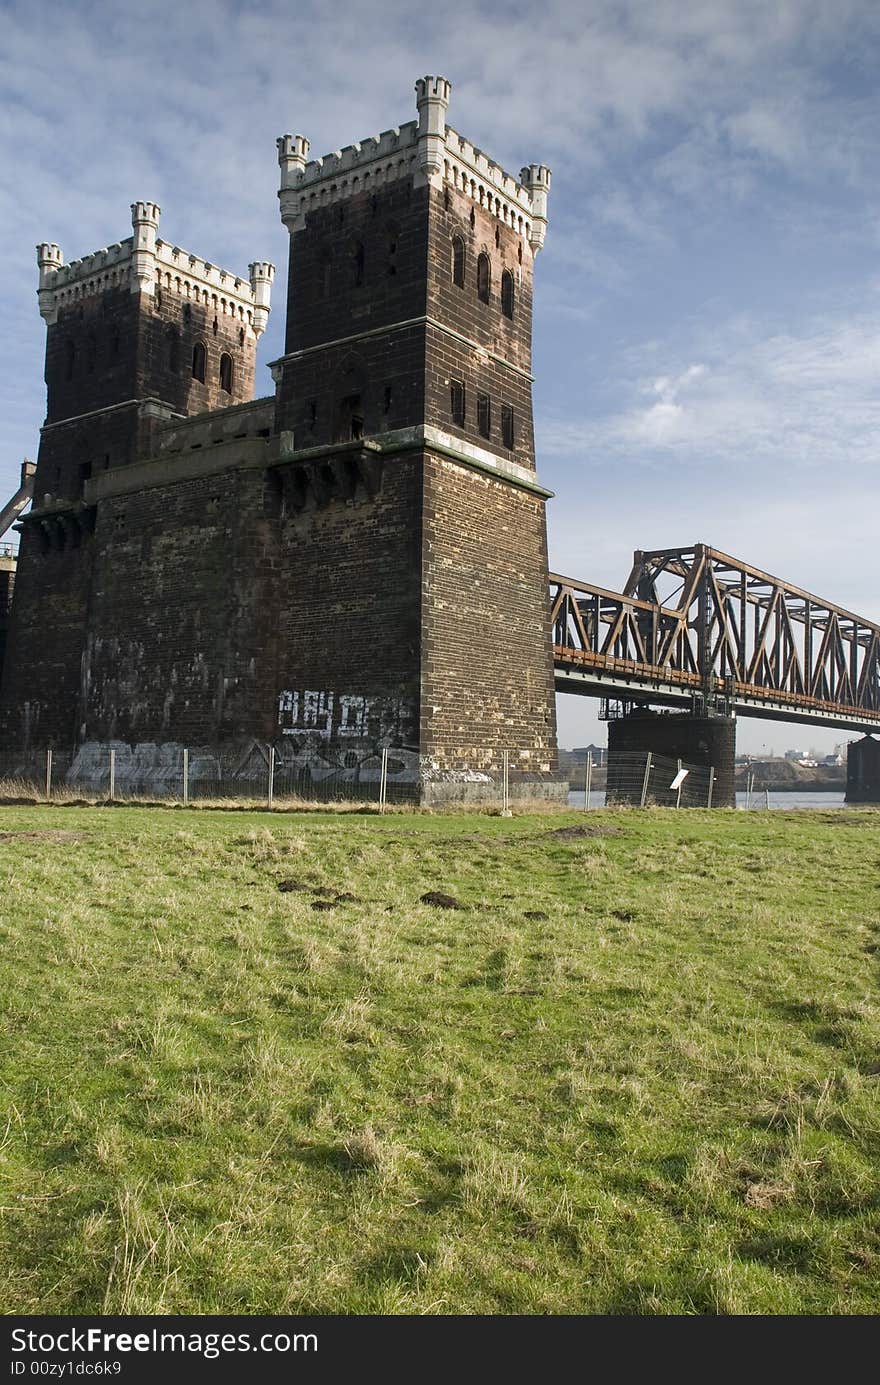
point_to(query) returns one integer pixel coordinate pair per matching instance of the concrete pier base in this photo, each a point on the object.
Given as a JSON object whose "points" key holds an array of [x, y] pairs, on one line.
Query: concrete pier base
{"points": [[705, 741], [863, 771]]}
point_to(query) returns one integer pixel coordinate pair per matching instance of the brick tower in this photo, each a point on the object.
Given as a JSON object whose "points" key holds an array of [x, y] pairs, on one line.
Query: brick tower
{"points": [[138, 334], [413, 529]]}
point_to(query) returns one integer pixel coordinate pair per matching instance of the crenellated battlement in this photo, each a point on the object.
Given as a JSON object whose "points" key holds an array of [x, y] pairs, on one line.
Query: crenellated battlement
{"points": [[426, 149], [144, 263]]}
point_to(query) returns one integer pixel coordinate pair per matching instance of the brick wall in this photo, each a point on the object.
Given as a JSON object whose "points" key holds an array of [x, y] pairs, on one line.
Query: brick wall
{"points": [[487, 673]]}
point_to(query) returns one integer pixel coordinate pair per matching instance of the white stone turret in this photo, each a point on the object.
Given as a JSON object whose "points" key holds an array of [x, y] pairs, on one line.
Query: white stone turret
{"points": [[293, 153], [49, 259], [432, 101], [262, 274], [536, 179], [145, 223]]}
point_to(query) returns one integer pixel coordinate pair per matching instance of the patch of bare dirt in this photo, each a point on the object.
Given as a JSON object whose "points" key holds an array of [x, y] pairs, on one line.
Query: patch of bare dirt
{"points": [[440, 900], [52, 835], [573, 834]]}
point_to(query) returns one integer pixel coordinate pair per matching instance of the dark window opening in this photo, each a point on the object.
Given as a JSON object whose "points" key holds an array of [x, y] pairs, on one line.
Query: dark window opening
{"points": [[519, 252], [497, 236], [69, 359], [350, 422], [241, 336], [312, 413], [200, 361], [473, 218], [85, 472], [214, 327], [507, 293], [458, 262], [386, 402], [484, 277], [187, 312], [357, 263], [392, 257], [457, 402], [226, 373], [507, 429], [484, 415]]}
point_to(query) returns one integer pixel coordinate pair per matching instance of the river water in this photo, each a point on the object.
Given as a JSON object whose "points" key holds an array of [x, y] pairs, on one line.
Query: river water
{"points": [[776, 800]]}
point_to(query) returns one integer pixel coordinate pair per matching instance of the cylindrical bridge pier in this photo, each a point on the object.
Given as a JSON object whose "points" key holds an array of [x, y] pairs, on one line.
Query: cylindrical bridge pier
{"points": [[708, 742], [863, 771]]}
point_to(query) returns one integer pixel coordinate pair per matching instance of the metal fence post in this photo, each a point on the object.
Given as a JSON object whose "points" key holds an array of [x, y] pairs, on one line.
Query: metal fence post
{"points": [[711, 788], [48, 774], [271, 775], [678, 790], [505, 784], [112, 775], [185, 778], [644, 797], [588, 780], [766, 798], [383, 779]]}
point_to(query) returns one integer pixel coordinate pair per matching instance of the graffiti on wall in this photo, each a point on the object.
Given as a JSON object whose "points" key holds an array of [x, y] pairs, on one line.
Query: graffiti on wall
{"points": [[329, 733]]}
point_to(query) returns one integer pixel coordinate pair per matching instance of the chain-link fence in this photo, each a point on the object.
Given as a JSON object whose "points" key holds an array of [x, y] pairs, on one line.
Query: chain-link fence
{"points": [[645, 780], [257, 773], [263, 774]]}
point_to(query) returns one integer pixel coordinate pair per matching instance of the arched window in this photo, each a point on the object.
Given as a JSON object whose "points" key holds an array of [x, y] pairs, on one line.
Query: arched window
{"points": [[226, 373], [484, 415], [69, 359], [457, 402], [484, 276], [357, 263], [200, 361], [458, 262], [507, 293], [393, 239], [173, 351]]}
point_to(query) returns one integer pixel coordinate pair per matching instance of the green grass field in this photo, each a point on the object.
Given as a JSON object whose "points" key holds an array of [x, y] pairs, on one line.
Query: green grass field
{"points": [[636, 1072]]}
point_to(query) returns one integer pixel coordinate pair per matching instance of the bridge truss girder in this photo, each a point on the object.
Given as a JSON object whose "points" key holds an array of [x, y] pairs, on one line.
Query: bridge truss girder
{"points": [[728, 634]]}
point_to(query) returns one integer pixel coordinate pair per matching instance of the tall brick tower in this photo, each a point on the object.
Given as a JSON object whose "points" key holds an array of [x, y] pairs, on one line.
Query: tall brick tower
{"points": [[138, 334], [413, 527]]}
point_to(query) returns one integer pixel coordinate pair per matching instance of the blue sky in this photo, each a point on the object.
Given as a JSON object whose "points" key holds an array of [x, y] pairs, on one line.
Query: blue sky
{"points": [[707, 322]]}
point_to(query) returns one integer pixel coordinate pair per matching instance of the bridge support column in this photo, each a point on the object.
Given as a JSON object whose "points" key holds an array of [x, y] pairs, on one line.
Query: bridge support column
{"points": [[863, 771], [705, 741]]}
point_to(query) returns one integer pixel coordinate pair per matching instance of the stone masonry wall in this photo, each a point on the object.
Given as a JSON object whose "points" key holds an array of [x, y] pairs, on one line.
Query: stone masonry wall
{"points": [[487, 673], [349, 629]]}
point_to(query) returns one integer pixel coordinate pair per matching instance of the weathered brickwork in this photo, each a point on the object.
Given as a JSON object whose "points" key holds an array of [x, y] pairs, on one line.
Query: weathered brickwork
{"points": [[361, 561], [487, 671]]}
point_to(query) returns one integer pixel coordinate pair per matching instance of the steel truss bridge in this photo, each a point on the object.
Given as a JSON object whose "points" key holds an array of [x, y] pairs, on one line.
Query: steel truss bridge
{"points": [[697, 629]]}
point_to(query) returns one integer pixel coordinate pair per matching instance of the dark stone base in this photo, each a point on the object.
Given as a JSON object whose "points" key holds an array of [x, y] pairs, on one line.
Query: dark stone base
{"points": [[699, 741], [863, 771]]}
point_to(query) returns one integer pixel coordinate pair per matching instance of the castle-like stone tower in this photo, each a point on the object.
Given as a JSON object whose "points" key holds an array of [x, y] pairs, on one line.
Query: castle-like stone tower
{"points": [[413, 514], [360, 561]]}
